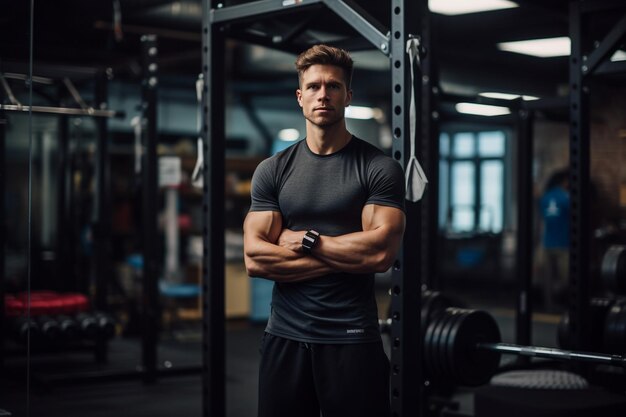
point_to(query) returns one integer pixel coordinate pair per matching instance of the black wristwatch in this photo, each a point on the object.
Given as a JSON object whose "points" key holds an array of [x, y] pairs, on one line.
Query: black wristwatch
{"points": [[309, 240]]}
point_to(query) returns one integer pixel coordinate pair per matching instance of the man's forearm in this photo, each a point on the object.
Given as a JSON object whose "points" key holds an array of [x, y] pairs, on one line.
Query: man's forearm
{"points": [[276, 263], [371, 250], [359, 252]]}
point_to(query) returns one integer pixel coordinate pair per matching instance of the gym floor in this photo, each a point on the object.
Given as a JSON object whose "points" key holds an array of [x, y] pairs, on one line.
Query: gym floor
{"points": [[54, 393]]}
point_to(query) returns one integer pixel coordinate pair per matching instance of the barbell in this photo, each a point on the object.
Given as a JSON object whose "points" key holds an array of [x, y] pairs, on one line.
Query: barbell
{"points": [[464, 347]]}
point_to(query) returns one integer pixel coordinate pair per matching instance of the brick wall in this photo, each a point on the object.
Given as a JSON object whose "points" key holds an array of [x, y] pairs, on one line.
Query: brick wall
{"points": [[608, 151]]}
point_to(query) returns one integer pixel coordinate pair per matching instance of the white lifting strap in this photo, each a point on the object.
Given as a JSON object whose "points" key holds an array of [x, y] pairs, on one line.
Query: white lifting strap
{"points": [[137, 125], [414, 174], [197, 177]]}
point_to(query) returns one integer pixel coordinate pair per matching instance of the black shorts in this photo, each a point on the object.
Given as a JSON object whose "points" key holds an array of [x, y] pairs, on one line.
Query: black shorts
{"points": [[341, 380]]}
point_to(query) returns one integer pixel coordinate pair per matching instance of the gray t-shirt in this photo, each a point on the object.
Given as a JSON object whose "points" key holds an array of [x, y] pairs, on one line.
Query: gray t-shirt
{"points": [[326, 193]]}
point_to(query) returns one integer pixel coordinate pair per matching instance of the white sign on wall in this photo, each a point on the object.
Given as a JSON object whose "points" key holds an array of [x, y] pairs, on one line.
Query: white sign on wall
{"points": [[170, 173]]}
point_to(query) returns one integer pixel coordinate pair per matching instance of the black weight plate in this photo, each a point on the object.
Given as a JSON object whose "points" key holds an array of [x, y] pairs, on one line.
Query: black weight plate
{"points": [[437, 301], [440, 352], [429, 364], [613, 328], [452, 337], [437, 347], [458, 371], [474, 367], [620, 274], [608, 327], [426, 314], [433, 348], [446, 338], [613, 268], [620, 345], [598, 310]]}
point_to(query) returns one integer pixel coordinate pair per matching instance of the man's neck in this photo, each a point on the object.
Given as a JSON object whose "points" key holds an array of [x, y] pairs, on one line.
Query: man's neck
{"points": [[327, 140]]}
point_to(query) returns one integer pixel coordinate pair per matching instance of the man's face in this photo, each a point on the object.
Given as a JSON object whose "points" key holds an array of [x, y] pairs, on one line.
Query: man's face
{"points": [[323, 95]]}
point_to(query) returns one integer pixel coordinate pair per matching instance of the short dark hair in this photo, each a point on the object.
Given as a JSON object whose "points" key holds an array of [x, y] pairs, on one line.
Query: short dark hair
{"points": [[558, 178], [325, 55]]}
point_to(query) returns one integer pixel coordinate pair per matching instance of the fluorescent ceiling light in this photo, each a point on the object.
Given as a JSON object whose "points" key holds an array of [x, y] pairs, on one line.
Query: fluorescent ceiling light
{"points": [[289, 135], [363, 113], [454, 7], [481, 109], [543, 48], [507, 96], [619, 55]]}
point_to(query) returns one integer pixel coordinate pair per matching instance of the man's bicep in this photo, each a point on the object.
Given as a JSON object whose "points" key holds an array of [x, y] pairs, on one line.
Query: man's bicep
{"points": [[264, 225], [376, 216]]}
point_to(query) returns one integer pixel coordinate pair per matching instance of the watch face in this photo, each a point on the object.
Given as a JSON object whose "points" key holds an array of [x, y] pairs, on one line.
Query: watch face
{"points": [[309, 240]]}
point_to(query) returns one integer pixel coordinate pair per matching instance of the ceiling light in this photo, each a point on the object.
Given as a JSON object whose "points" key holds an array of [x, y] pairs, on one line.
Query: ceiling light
{"points": [[363, 113], [481, 109], [454, 7], [289, 135], [543, 48], [507, 96], [619, 55], [500, 96]]}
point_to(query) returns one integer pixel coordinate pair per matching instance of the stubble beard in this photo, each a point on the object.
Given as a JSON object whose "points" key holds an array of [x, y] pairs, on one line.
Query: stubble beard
{"points": [[325, 122]]}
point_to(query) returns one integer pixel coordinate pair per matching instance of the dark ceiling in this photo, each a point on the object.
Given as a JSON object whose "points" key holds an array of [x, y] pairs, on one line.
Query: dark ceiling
{"points": [[75, 37]]}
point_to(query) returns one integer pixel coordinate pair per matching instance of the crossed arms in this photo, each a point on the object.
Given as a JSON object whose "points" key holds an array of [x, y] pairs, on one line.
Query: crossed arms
{"points": [[275, 253]]}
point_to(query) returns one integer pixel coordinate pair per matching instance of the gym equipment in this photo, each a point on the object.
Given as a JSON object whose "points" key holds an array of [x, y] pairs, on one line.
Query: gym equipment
{"points": [[21, 327], [432, 303], [49, 327], [613, 268], [88, 325], [45, 303], [615, 328], [463, 347], [96, 324], [540, 379], [106, 324], [69, 328], [598, 311]]}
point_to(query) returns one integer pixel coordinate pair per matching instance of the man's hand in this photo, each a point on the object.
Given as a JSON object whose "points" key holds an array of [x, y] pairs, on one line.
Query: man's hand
{"points": [[266, 257], [371, 250], [368, 251], [291, 240]]}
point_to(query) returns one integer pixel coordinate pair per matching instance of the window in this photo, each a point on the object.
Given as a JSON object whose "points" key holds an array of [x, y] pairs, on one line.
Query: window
{"points": [[472, 181]]}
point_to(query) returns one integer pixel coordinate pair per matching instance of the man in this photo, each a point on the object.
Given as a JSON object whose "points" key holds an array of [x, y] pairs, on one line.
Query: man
{"points": [[327, 213]]}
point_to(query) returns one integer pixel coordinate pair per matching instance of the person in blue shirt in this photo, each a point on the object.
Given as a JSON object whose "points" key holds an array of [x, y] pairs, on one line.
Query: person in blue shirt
{"points": [[555, 213]]}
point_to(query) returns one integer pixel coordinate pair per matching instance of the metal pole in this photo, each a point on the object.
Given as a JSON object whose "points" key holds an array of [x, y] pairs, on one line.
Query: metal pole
{"points": [[551, 353], [151, 262], [3, 123], [102, 212], [524, 246], [213, 133], [407, 389], [101, 204], [580, 233], [429, 153], [61, 110], [65, 266]]}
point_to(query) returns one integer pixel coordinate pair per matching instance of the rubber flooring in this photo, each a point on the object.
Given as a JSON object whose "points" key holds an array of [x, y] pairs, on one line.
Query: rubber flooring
{"points": [[71, 384]]}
